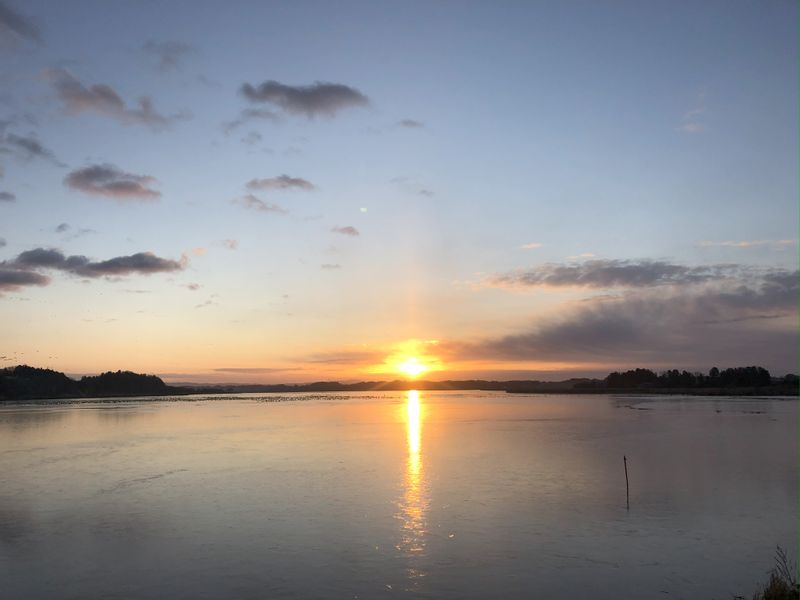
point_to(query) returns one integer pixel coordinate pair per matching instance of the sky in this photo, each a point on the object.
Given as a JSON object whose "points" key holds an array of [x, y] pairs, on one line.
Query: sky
{"points": [[291, 192]]}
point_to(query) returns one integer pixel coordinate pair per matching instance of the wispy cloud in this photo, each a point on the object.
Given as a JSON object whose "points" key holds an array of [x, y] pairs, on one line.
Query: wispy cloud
{"points": [[747, 243], [7, 197], [16, 27], [104, 100], [692, 122], [250, 114], [411, 124], [167, 54], [318, 99], [26, 148], [531, 246], [112, 182], [613, 273], [330, 267], [254, 203], [281, 182], [346, 230]]}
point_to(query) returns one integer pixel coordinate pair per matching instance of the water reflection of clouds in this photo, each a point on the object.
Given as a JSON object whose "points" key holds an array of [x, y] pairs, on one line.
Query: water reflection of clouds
{"points": [[414, 502]]}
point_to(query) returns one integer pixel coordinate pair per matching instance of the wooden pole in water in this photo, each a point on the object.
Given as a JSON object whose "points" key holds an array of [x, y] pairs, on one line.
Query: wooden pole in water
{"points": [[627, 487]]}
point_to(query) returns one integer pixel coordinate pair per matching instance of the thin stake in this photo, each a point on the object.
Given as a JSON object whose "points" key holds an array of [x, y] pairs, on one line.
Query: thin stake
{"points": [[627, 487]]}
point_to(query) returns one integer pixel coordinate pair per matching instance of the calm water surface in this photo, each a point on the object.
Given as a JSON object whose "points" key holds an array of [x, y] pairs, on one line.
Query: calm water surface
{"points": [[429, 495]]}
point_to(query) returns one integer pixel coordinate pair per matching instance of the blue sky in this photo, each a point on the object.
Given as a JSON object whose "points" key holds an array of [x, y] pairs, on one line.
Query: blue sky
{"points": [[624, 135]]}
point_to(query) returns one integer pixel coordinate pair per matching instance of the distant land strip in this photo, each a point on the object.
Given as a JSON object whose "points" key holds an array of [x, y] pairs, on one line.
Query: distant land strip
{"points": [[31, 383]]}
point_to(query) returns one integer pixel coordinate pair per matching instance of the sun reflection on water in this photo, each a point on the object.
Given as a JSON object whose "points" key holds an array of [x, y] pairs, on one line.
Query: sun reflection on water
{"points": [[414, 503]]}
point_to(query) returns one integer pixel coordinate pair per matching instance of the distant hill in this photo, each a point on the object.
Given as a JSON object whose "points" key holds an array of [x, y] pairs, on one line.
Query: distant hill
{"points": [[27, 383], [24, 383]]}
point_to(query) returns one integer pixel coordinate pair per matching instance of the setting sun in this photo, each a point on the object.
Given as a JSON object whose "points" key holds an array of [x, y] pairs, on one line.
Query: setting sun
{"points": [[412, 367]]}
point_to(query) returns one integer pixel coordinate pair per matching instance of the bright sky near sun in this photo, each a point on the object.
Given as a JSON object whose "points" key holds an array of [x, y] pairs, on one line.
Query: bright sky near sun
{"points": [[253, 191]]}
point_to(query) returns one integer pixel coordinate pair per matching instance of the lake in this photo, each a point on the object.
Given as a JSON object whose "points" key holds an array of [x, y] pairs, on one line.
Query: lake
{"points": [[395, 494]]}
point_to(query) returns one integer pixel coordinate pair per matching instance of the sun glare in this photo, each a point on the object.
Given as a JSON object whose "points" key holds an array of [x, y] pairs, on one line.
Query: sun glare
{"points": [[412, 367]]}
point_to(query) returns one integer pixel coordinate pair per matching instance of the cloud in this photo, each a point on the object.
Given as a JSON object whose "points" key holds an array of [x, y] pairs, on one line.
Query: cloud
{"points": [[330, 267], [247, 115], [26, 148], [730, 323], [410, 186], [252, 138], [192, 286], [62, 228], [410, 124], [13, 279], [7, 197], [281, 182], [110, 181], [14, 26], [692, 128], [256, 369], [346, 230], [231, 244], [143, 263], [104, 100], [317, 99], [531, 246], [168, 54], [3, 242], [747, 243], [252, 202], [613, 273]]}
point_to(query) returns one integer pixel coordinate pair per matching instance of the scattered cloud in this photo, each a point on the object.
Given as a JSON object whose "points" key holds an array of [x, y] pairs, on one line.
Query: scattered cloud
{"points": [[192, 286], [7, 197], [613, 273], [252, 138], [110, 181], [692, 128], [531, 246], [62, 228], [252, 202], [26, 148], [411, 124], [748, 243], [104, 100], [317, 99], [346, 230], [581, 256], [199, 251], [247, 115], [411, 186], [281, 182], [168, 55], [144, 263], [3, 242], [330, 267], [231, 244], [693, 118], [16, 27]]}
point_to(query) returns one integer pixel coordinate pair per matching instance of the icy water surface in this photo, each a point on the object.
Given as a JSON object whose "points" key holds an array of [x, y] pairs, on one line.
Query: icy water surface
{"points": [[380, 495]]}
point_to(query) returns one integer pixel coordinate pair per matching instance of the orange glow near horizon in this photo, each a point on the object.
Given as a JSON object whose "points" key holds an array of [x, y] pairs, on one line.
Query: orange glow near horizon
{"points": [[411, 358]]}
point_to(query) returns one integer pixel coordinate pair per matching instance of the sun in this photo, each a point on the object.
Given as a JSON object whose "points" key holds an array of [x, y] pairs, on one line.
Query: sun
{"points": [[412, 367]]}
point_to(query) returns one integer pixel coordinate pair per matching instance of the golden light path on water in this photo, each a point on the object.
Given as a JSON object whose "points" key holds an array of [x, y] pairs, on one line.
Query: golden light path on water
{"points": [[414, 503]]}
